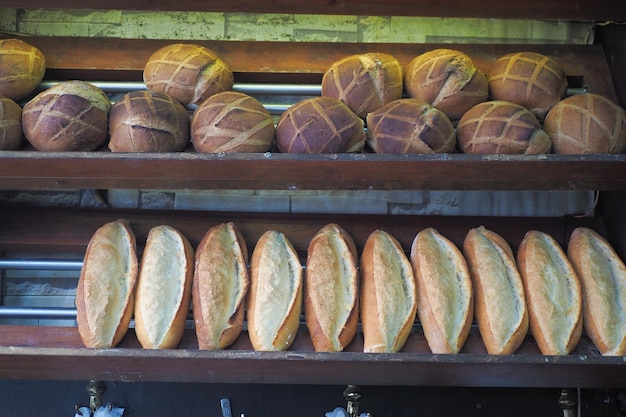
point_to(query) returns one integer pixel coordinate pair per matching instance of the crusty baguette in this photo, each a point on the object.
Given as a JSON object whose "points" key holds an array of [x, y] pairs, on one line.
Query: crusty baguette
{"points": [[331, 286], [220, 285], [553, 293], [387, 296], [105, 292], [602, 276], [499, 301], [163, 292], [445, 303], [275, 297]]}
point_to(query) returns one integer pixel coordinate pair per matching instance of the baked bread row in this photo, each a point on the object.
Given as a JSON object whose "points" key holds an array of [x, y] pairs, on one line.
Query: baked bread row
{"points": [[542, 290]]}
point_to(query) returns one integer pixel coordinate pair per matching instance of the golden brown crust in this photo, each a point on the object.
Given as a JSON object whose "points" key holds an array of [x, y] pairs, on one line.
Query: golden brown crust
{"points": [[10, 124], [274, 300], [445, 302], [587, 124], [106, 287], [163, 293], [148, 121], [331, 286], [410, 126], [23, 68], [446, 79], [232, 122], [220, 286], [387, 295], [603, 277], [188, 72], [500, 303], [553, 293], [364, 82]]}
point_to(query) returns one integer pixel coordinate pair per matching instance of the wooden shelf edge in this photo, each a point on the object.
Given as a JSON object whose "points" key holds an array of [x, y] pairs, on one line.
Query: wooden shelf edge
{"points": [[104, 170]]}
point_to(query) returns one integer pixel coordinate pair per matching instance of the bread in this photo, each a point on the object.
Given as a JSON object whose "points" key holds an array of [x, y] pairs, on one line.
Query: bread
{"points": [[163, 294], [220, 285], [275, 298], [445, 302], [188, 72], [364, 82], [603, 277], [446, 79], [408, 126], [148, 121], [22, 67], [501, 127], [69, 116], [387, 297], [529, 79], [232, 122], [587, 124], [10, 124], [499, 300], [331, 289], [319, 125], [553, 293], [105, 293]]}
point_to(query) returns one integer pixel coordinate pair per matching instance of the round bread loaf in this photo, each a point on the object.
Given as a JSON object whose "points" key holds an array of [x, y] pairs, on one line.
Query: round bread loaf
{"points": [[22, 67], [10, 124], [446, 79], [190, 73], [320, 125], [500, 127], [69, 116], [529, 79], [410, 126], [232, 122], [148, 121], [364, 82], [587, 123]]}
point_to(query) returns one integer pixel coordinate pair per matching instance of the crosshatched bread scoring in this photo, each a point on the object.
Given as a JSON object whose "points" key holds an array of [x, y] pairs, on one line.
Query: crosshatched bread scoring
{"points": [[188, 72], [499, 299], [232, 122], [69, 116], [445, 301], [331, 289], [587, 124], [220, 286], [408, 126], [105, 294], [320, 125], [11, 136], [529, 79], [501, 127], [148, 121], [364, 82], [22, 67], [388, 297], [446, 79], [603, 277], [553, 293]]}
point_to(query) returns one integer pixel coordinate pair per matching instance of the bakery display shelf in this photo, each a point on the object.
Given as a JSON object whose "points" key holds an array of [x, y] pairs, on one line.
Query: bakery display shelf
{"points": [[52, 352], [367, 171], [556, 9]]}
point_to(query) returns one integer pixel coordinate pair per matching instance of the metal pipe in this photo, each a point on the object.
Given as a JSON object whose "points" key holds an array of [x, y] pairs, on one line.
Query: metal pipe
{"points": [[37, 313], [41, 264]]}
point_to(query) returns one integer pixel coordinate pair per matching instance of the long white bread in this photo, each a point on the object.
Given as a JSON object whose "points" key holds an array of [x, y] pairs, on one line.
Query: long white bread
{"points": [[553, 293], [163, 294], [106, 288], [331, 289], [387, 297], [275, 298], [445, 303], [220, 285], [603, 277], [499, 301]]}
